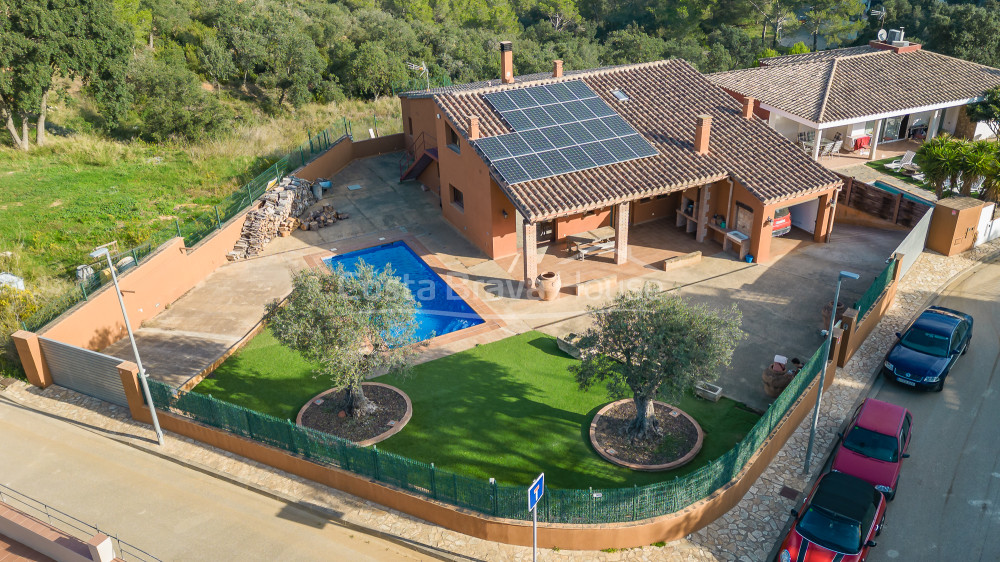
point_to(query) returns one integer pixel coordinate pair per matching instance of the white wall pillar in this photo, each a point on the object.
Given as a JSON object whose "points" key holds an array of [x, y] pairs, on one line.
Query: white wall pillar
{"points": [[816, 142], [932, 129], [530, 249], [875, 135]]}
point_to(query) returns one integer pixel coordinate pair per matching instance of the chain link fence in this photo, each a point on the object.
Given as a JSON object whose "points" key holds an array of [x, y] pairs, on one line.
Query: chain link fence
{"points": [[592, 506]]}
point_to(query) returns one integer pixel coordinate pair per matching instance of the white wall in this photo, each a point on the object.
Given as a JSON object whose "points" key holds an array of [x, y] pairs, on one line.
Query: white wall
{"points": [[804, 215], [949, 120], [983, 131], [788, 128]]}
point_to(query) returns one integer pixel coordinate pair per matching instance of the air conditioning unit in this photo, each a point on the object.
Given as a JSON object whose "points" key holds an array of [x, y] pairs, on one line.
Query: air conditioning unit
{"points": [[895, 35]]}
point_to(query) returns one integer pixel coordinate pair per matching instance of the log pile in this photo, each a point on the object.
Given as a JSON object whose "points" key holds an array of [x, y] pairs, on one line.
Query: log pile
{"points": [[276, 216], [320, 218]]}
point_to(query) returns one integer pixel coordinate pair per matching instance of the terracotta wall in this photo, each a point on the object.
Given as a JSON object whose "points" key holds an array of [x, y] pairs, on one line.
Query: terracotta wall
{"points": [[954, 224], [856, 333], [564, 536], [147, 289], [655, 208], [582, 222], [344, 151]]}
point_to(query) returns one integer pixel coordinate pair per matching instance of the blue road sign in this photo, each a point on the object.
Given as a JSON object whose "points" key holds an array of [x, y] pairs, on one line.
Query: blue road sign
{"points": [[536, 491]]}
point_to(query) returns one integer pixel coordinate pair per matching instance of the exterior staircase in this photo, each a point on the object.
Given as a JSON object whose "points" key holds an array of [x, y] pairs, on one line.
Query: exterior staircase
{"points": [[417, 157]]}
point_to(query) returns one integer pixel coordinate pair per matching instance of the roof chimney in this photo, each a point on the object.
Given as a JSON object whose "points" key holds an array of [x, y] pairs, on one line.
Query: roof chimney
{"points": [[701, 134], [506, 62], [473, 128], [557, 68], [748, 104]]}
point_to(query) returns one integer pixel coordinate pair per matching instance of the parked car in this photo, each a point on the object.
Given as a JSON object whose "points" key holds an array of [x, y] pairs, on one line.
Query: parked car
{"points": [[875, 444], [839, 520], [927, 350], [782, 222]]}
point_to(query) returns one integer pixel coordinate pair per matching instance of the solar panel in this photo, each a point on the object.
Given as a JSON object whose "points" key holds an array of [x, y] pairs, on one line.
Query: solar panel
{"points": [[557, 129]]}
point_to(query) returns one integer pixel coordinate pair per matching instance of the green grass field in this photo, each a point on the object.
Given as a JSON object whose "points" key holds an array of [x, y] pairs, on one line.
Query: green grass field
{"points": [[506, 410], [879, 166]]}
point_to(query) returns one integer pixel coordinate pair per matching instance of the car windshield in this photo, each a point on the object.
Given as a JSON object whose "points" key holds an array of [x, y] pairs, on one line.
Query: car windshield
{"points": [[830, 530], [926, 342], [871, 444]]}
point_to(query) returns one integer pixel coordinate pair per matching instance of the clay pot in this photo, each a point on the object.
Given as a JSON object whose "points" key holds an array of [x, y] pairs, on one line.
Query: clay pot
{"points": [[776, 378], [827, 308], [549, 284]]}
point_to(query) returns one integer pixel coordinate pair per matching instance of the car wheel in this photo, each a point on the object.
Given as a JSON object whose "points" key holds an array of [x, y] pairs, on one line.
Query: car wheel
{"points": [[878, 530], [967, 345], [939, 386], [891, 495]]}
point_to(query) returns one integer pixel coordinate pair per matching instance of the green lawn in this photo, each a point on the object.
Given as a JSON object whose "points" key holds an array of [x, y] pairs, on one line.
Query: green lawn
{"points": [[506, 410], [879, 166]]}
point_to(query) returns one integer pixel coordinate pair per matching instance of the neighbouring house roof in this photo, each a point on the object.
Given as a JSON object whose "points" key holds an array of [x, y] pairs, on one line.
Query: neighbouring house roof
{"points": [[858, 82], [665, 98]]}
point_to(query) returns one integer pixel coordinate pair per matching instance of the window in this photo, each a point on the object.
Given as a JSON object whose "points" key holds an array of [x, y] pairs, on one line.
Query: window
{"points": [[904, 434], [453, 139], [619, 95], [457, 199], [410, 123], [959, 336]]}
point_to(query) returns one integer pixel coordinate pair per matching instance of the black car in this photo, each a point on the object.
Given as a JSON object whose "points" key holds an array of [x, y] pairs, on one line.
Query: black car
{"points": [[927, 350]]}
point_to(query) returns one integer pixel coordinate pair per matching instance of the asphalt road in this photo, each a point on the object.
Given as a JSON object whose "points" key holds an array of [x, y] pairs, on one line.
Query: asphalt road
{"points": [[948, 504], [170, 511]]}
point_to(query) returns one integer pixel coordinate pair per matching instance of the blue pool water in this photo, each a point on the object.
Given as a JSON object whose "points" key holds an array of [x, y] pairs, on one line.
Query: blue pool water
{"points": [[886, 187], [441, 310]]}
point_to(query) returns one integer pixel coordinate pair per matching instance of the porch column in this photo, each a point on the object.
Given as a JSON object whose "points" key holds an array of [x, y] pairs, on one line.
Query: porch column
{"points": [[529, 247], [816, 143], [875, 135], [704, 195], [935, 125], [621, 233]]}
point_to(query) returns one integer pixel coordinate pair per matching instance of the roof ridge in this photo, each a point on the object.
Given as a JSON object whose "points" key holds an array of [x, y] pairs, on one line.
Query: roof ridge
{"points": [[565, 78], [826, 91]]}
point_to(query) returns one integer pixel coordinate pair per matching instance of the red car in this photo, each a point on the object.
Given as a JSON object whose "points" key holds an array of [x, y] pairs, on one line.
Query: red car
{"points": [[840, 518], [782, 222], [875, 445]]}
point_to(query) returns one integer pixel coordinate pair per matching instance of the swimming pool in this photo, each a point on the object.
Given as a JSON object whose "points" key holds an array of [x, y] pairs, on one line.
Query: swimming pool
{"points": [[906, 195], [441, 310]]}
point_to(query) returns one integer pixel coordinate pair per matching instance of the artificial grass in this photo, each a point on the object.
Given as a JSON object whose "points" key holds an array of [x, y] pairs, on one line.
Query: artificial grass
{"points": [[267, 377], [506, 410], [879, 166]]}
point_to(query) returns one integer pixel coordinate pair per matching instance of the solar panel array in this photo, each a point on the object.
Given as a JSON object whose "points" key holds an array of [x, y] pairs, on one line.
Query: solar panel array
{"points": [[558, 128]]}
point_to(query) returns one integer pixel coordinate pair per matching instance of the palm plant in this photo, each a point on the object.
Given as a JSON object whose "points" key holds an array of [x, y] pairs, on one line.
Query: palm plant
{"points": [[978, 160], [990, 190], [935, 158]]}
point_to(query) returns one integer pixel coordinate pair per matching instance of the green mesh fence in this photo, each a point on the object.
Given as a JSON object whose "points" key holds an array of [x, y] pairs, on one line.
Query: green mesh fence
{"points": [[593, 506], [876, 289], [195, 228]]}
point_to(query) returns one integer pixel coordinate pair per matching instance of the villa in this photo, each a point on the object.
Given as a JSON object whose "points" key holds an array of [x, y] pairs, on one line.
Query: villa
{"points": [[524, 163]]}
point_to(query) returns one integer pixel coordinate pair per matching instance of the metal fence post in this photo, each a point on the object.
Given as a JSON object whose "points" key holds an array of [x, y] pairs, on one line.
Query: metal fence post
{"points": [[177, 223], [434, 489], [375, 457], [83, 289], [218, 221], [345, 125], [496, 500], [302, 156]]}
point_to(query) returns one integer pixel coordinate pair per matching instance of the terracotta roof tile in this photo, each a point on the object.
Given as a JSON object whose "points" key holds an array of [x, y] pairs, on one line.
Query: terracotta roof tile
{"points": [[665, 98], [855, 83]]}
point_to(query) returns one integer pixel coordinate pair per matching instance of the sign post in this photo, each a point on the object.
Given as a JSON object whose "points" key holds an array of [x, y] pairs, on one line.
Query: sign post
{"points": [[535, 493]]}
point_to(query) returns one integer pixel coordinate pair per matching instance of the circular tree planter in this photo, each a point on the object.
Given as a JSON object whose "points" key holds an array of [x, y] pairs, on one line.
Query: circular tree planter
{"points": [[669, 415], [317, 414]]}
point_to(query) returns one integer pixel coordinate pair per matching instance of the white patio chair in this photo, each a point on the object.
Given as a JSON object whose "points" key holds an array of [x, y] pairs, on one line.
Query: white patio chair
{"points": [[907, 158]]}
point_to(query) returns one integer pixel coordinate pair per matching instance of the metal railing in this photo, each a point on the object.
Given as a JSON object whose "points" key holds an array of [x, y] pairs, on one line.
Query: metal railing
{"points": [[69, 524]]}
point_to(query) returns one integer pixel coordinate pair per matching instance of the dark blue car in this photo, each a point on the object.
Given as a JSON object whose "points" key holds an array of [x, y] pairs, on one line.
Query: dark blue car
{"points": [[925, 353]]}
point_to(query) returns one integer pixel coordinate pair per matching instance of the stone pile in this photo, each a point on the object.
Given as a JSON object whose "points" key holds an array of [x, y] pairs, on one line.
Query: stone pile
{"points": [[276, 216], [323, 217]]}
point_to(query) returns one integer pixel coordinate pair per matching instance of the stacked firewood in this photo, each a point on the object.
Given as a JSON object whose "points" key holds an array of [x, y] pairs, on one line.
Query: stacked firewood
{"points": [[320, 218], [276, 216]]}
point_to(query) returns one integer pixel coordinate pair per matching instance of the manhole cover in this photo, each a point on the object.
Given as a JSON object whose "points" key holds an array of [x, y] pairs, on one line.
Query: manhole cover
{"points": [[789, 493]]}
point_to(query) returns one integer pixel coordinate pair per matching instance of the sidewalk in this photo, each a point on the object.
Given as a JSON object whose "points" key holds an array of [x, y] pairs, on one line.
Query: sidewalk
{"points": [[748, 532]]}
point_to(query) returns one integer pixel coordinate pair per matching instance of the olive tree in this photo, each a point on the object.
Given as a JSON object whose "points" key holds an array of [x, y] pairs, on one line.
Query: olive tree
{"points": [[352, 324], [654, 345]]}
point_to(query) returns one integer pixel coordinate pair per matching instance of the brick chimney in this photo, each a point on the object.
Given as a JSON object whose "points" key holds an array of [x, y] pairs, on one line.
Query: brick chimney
{"points": [[701, 134], [557, 68], [473, 128], [748, 108], [506, 62]]}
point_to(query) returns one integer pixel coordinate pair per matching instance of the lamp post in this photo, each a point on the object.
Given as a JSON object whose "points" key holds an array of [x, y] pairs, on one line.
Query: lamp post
{"points": [[98, 253], [826, 360]]}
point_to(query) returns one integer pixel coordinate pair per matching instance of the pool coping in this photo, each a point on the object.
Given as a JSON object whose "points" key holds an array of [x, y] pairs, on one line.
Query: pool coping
{"points": [[491, 321]]}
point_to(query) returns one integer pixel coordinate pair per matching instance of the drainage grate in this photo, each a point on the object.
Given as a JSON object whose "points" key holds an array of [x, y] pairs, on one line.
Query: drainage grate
{"points": [[790, 493]]}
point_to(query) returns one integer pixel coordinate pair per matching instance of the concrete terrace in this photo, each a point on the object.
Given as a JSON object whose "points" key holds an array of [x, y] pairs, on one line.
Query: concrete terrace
{"points": [[780, 301]]}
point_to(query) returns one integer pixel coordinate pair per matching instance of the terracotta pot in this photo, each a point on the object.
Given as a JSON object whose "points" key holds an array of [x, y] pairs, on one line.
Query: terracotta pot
{"points": [[776, 378], [549, 284], [828, 308]]}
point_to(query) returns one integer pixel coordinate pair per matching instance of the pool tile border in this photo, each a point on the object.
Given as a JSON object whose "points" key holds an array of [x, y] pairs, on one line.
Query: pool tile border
{"points": [[491, 321]]}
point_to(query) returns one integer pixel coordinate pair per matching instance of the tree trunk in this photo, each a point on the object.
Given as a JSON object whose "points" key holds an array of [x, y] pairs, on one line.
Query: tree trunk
{"points": [[42, 111], [645, 426], [151, 39], [356, 404], [25, 140], [13, 133], [815, 39]]}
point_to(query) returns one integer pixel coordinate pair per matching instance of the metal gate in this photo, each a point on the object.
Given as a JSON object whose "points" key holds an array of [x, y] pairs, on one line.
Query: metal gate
{"points": [[84, 371]]}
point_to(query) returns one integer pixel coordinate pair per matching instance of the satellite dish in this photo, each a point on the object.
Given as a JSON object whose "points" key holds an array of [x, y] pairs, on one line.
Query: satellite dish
{"points": [[882, 35]]}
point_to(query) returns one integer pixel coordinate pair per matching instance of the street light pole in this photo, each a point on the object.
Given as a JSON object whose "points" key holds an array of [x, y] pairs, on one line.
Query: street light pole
{"points": [[826, 360], [142, 372]]}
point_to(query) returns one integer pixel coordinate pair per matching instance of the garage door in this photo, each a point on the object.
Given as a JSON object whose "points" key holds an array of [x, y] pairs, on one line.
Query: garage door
{"points": [[84, 371], [804, 215]]}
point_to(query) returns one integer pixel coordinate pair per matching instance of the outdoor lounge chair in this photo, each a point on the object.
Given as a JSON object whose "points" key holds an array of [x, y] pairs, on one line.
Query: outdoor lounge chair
{"points": [[907, 158], [596, 249]]}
